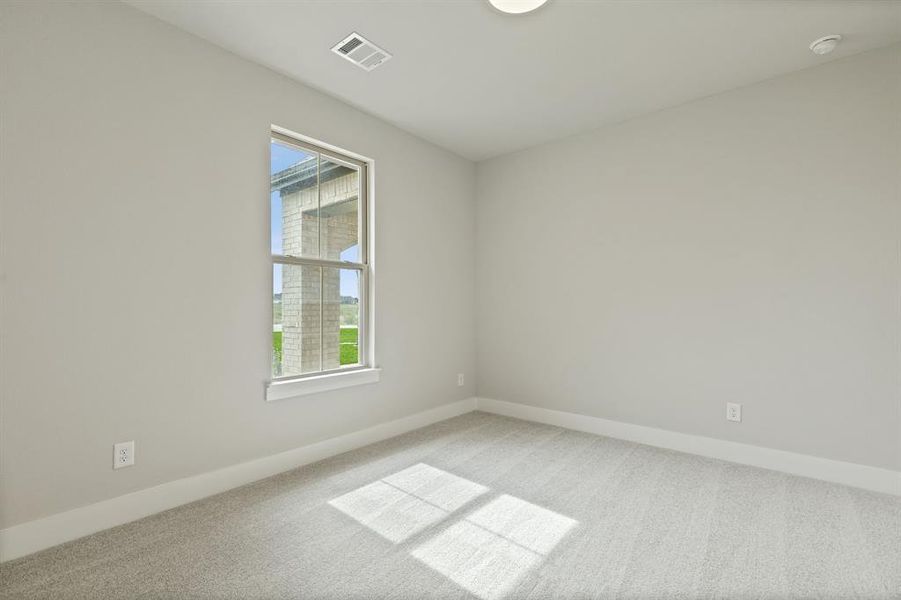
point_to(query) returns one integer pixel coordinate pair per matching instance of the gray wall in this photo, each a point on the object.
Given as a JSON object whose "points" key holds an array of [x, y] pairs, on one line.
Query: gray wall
{"points": [[743, 247], [135, 266]]}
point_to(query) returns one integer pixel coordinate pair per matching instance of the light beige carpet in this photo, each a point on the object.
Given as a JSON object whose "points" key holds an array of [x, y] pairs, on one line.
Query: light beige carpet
{"points": [[488, 507]]}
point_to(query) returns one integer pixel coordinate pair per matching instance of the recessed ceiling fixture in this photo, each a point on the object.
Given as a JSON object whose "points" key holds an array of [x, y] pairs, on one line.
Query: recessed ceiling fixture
{"points": [[825, 45], [361, 52], [516, 7]]}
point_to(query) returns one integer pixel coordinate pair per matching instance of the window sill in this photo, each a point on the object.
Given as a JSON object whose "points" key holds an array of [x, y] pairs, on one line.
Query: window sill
{"points": [[282, 390]]}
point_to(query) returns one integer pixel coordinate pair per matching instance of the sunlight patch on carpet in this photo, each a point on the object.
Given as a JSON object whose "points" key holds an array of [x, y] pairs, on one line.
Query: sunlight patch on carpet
{"points": [[405, 503], [489, 551]]}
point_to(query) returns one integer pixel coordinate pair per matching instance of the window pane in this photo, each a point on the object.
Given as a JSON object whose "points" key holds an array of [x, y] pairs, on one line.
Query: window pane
{"points": [[341, 323], [294, 199], [339, 206], [297, 320]]}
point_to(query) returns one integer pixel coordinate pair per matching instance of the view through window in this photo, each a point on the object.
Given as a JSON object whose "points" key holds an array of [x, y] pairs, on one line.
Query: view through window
{"points": [[319, 263]]}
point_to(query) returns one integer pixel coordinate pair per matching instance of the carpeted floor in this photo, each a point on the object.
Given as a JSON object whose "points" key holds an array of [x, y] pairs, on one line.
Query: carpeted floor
{"points": [[489, 507]]}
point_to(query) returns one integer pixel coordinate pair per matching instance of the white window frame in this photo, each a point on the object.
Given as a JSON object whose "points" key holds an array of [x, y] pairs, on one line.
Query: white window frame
{"points": [[364, 372]]}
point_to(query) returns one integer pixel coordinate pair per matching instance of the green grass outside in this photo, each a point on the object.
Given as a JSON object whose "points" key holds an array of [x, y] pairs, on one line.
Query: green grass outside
{"points": [[349, 354], [349, 347], [277, 347]]}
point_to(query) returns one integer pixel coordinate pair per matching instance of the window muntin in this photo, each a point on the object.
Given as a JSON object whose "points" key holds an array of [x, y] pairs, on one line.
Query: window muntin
{"points": [[320, 265]]}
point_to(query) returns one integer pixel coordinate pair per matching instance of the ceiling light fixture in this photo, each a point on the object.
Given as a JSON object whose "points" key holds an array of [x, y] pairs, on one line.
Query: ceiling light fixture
{"points": [[825, 45], [516, 7]]}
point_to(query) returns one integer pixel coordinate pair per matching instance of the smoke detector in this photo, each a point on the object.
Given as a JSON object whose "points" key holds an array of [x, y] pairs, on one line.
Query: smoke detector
{"points": [[825, 45], [361, 52]]}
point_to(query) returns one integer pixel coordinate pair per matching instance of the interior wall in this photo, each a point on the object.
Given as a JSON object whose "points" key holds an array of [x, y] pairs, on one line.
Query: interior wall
{"points": [[739, 248], [135, 258]]}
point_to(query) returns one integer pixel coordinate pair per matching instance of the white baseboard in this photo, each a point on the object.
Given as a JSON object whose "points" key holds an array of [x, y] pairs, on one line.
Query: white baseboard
{"points": [[862, 476], [33, 536], [26, 538]]}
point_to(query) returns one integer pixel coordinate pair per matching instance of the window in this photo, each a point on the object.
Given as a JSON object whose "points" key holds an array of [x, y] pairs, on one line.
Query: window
{"points": [[320, 262]]}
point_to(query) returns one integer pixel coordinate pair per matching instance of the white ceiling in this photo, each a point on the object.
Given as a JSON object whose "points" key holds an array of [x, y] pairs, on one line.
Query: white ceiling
{"points": [[482, 83]]}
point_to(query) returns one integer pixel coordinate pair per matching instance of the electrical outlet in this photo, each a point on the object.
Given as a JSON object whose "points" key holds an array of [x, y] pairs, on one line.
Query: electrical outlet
{"points": [[733, 412], [460, 379], [123, 454]]}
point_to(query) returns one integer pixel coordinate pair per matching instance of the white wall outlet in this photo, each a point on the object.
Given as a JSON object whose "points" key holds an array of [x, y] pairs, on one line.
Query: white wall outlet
{"points": [[460, 379], [123, 454], [733, 412]]}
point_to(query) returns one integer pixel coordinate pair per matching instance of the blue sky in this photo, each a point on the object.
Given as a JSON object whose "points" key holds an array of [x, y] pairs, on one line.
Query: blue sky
{"points": [[283, 157]]}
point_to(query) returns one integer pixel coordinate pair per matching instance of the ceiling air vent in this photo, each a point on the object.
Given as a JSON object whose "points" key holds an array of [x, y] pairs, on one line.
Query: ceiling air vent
{"points": [[361, 52]]}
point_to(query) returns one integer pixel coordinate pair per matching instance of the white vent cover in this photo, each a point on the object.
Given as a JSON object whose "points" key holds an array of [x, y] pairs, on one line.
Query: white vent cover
{"points": [[361, 52]]}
